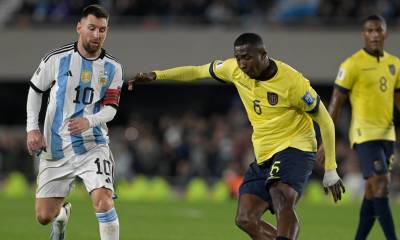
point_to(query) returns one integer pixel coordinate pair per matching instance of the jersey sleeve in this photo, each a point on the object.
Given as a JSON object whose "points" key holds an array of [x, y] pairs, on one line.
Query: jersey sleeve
{"points": [[184, 73], [345, 78], [112, 94], [221, 70], [43, 77], [304, 97]]}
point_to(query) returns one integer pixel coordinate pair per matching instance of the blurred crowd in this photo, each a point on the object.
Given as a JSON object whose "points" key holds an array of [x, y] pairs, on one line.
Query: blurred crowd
{"points": [[182, 147], [156, 13]]}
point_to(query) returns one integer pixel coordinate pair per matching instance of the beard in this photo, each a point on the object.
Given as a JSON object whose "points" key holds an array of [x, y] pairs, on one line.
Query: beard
{"points": [[91, 48]]}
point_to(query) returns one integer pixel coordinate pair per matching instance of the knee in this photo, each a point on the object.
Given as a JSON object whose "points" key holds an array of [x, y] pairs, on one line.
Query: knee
{"points": [[382, 191], [380, 187], [47, 209], [244, 221], [103, 204], [43, 217]]}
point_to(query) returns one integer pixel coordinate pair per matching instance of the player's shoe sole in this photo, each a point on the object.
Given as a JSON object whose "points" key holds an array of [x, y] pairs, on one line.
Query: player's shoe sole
{"points": [[59, 227]]}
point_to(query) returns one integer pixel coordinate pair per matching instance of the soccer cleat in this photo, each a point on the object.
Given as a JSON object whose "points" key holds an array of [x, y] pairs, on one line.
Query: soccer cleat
{"points": [[59, 225]]}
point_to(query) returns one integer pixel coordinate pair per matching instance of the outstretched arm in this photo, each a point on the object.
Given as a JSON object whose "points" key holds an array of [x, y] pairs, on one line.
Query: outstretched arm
{"points": [[331, 180], [185, 74]]}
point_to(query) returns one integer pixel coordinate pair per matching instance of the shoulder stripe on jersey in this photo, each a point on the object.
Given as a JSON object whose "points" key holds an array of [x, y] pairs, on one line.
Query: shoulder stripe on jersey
{"points": [[35, 88], [57, 51], [315, 109], [111, 57], [341, 89], [211, 70], [60, 48]]}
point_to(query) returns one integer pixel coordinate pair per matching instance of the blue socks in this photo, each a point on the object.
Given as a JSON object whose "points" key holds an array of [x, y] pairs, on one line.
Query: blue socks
{"points": [[367, 219], [384, 214]]}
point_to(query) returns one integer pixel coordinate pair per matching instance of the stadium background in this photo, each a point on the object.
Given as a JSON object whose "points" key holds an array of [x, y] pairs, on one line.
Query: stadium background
{"points": [[183, 146]]}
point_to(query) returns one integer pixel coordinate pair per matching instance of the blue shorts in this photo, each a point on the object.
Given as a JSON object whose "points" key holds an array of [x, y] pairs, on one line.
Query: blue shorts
{"points": [[375, 157], [290, 166]]}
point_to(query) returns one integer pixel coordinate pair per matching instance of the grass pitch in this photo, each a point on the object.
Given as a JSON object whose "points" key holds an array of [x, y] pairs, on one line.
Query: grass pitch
{"points": [[178, 220]]}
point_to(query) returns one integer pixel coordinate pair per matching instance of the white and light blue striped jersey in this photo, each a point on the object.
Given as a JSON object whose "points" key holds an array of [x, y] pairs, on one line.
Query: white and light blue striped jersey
{"points": [[78, 88]]}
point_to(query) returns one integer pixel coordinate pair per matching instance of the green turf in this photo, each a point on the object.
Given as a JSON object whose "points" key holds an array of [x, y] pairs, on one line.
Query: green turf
{"points": [[179, 221]]}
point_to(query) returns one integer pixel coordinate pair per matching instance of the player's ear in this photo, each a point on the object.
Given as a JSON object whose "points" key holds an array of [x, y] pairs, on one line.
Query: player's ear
{"points": [[264, 54], [78, 27]]}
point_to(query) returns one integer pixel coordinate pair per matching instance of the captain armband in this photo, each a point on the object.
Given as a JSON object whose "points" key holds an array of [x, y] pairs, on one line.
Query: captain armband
{"points": [[111, 98]]}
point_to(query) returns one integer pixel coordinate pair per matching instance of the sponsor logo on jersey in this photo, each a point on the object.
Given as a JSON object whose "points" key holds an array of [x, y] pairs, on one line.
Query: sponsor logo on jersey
{"points": [[272, 98], [308, 98]]}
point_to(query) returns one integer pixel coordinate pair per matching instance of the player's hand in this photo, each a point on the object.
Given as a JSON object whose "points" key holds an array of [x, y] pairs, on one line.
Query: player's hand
{"points": [[141, 77], [35, 141], [321, 155], [334, 184], [78, 125]]}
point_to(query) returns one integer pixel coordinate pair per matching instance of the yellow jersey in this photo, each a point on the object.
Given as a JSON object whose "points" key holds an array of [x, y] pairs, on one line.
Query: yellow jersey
{"points": [[370, 82], [275, 107]]}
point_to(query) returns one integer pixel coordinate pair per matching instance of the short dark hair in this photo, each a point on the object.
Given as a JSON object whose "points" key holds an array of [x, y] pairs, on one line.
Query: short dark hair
{"points": [[375, 17], [95, 10], [248, 38]]}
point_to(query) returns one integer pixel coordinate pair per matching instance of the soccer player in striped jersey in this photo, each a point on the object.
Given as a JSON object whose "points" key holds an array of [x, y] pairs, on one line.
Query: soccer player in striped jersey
{"points": [[371, 79], [280, 104], [84, 83]]}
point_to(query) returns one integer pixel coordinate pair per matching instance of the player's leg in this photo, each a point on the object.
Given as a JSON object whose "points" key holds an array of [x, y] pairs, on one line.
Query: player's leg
{"points": [[106, 213], [56, 212], [288, 175], [380, 188], [96, 171], [253, 202], [367, 214], [284, 199], [48, 209], [374, 156], [54, 183], [249, 217]]}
